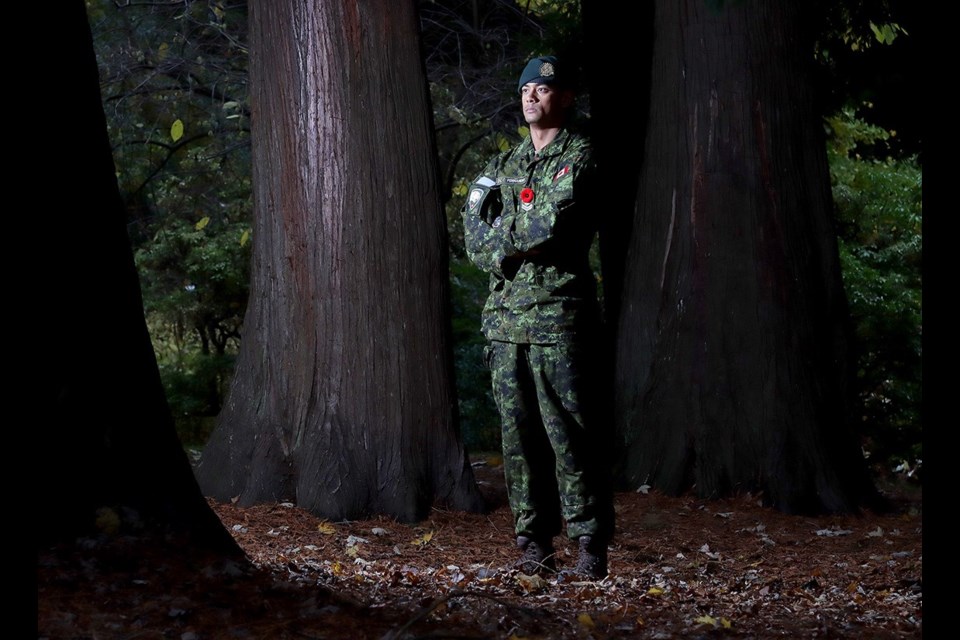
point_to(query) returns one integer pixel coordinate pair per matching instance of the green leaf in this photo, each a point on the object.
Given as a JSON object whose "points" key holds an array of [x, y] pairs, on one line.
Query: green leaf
{"points": [[885, 34], [176, 129], [204, 221], [244, 238]]}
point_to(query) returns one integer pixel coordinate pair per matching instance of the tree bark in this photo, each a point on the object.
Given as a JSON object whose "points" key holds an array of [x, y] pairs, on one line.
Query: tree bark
{"points": [[732, 371], [343, 398], [109, 443], [618, 79]]}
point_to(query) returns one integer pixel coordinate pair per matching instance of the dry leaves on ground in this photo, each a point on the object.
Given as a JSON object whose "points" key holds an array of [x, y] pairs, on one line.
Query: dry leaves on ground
{"points": [[680, 567]]}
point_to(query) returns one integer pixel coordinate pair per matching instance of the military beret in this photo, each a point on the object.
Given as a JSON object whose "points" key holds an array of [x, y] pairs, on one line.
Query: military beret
{"points": [[542, 70]]}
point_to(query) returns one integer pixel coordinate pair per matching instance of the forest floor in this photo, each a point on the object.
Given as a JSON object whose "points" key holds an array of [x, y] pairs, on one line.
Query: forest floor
{"points": [[679, 567]]}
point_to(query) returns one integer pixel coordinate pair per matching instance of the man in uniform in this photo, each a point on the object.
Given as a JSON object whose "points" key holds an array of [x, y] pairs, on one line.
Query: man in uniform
{"points": [[529, 221]]}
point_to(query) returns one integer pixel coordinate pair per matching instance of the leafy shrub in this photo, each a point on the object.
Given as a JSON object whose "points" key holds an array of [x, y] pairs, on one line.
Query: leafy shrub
{"points": [[879, 209], [479, 419]]}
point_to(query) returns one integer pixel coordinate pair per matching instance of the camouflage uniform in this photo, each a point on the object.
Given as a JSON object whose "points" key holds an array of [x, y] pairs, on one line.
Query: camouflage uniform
{"points": [[527, 223]]}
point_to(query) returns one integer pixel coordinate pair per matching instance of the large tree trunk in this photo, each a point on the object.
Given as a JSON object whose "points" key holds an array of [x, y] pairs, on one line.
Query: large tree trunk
{"points": [[109, 446], [343, 398], [629, 38], [732, 369]]}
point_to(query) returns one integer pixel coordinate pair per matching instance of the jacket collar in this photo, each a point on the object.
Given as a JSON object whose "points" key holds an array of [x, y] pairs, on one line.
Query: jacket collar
{"points": [[555, 147]]}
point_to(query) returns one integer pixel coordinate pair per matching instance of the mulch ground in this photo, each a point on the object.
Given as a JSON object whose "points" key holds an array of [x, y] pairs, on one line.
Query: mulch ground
{"points": [[680, 567]]}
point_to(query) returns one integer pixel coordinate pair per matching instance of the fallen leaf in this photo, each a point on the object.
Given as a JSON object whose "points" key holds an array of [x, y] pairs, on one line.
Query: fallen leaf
{"points": [[832, 533], [644, 488], [706, 620], [586, 620], [422, 540], [378, 531], [726, 624], [654, 591], [531, 584], [705, 549], [326, 528], [876, 533], [108, 520]]}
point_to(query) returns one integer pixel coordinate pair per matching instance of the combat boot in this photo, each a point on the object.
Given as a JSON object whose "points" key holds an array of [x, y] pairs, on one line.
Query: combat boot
{"points": [[592, 559], [537, 558]]}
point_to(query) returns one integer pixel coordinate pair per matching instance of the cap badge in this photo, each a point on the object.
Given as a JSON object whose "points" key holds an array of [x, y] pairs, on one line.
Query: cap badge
{"points": [[546, 70]]}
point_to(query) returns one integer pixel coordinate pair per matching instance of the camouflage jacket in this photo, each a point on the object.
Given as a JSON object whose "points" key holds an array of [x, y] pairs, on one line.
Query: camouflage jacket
{"points": [[529, 221]]}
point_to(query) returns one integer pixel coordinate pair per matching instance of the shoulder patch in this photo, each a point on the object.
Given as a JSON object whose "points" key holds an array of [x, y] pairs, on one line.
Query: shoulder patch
{"points": [[476, 195], [564, 171]]}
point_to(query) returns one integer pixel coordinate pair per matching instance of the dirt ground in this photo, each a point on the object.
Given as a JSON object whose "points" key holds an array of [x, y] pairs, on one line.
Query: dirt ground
{"points": [[680, 567]]}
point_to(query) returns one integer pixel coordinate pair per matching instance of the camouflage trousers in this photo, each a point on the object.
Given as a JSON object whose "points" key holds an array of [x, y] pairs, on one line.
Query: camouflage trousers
{"points": [[551, 447]]}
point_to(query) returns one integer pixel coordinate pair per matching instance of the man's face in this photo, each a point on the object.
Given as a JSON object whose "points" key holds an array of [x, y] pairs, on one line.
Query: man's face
{"points": [[543, 105]]}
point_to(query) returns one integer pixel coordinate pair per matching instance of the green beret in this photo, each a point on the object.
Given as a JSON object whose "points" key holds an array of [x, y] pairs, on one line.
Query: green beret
{"points": [[542, 70]]}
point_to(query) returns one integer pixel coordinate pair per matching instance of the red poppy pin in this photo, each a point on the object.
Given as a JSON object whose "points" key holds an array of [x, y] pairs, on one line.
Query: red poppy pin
{"points": [[526, 195]]}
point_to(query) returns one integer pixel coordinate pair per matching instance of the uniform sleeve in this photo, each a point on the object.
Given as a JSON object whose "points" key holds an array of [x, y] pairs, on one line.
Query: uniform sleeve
{"points": [[554, 201], [486, 224]]}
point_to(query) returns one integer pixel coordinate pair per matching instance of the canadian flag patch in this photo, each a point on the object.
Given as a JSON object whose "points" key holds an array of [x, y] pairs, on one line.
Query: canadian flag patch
{"points": [[561, 173]]}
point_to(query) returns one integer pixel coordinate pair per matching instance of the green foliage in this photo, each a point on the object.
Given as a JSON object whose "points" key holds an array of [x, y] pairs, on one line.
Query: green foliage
{"points": [[195, 282], [479, 419], [195, 386], [858, 25], [174, 85], [868, 52], [886, 33], [560, 21], [879, 210]]}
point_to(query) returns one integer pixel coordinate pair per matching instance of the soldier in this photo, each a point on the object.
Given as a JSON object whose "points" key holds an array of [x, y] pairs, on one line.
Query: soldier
{"points": [[529, 221]]}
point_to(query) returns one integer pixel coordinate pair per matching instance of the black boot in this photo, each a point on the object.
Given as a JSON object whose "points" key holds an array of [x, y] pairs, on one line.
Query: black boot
{"points": [[592, 559], [537, 558]]}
